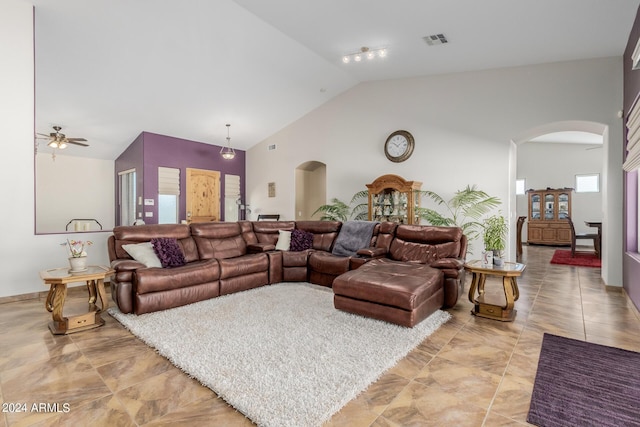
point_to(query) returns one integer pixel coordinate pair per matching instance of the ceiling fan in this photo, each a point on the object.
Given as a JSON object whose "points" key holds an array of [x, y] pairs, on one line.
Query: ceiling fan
{"points": [[60, 140]]}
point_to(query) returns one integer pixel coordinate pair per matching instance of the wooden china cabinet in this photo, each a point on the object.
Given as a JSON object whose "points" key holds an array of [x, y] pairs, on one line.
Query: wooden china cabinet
{"points": [[548, 213], [392, 198]]}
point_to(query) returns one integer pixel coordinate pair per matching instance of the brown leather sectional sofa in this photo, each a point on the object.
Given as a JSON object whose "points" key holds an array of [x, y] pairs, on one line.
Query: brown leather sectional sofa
{"points": [[227, 257]]}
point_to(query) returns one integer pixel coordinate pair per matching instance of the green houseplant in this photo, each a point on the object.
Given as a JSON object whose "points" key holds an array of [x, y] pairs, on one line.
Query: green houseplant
{"points": [[495, 234], [465, 210], [338, 210]]}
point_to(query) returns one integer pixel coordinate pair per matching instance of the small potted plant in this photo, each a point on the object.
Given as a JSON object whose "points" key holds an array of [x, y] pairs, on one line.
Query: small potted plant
{"points": [[77, 254], [495, 235]]}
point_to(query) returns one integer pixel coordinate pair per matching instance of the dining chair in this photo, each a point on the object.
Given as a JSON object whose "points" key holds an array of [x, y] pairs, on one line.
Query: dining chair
{"points": [[585, 236]]}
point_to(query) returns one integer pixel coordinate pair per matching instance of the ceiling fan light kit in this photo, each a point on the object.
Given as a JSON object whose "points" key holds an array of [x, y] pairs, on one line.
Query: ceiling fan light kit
{"points": [[60, 141]]}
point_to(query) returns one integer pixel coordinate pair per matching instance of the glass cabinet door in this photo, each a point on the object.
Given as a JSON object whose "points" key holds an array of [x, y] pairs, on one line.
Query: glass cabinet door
{"points": [[549, 206], [535, 206], [563, 206]]}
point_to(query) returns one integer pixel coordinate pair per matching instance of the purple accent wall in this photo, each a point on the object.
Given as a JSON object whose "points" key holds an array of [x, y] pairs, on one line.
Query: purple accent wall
{"points": [[166, 151], [631, 263]]}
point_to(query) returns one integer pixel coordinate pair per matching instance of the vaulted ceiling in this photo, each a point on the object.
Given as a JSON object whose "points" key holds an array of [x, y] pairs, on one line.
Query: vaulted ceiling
{"points": [[108, 69]]}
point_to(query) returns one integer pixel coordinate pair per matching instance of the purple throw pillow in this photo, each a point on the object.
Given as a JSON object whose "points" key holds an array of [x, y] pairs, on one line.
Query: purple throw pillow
{"points": [[168, 251], [300, 240]]}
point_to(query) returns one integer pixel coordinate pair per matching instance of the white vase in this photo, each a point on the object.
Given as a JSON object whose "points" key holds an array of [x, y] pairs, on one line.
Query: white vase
{"points": [[78, 264]]}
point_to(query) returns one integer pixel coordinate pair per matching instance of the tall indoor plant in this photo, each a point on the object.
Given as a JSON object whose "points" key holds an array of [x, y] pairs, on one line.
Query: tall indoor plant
{"points": [[465, 210]]}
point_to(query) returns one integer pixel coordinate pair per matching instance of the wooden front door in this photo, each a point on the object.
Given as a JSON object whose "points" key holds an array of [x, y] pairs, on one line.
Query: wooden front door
{"points": [[203, 195]]}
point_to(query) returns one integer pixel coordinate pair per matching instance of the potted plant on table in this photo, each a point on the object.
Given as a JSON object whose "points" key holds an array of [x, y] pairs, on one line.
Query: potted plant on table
{"points": [[495, 234], [77, 254]]}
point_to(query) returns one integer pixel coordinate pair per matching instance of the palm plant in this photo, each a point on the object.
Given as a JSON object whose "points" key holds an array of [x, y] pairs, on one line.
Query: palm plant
{"points": [[465, 210], [338, 210]]}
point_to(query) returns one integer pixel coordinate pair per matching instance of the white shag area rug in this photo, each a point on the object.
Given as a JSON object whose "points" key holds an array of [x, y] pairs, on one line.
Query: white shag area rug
{"points": [[280, 354]]}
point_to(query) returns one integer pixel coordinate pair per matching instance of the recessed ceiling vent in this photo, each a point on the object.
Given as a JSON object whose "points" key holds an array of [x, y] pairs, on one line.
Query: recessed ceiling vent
{"points": [[435, 39], [271, 147]]}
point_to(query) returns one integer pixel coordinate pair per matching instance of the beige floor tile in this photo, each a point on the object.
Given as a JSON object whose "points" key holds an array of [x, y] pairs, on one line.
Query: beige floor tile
{"points": [[471, 372]]}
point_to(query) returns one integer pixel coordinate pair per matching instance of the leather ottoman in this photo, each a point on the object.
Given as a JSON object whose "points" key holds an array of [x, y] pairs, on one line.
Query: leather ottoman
{"points": [[397, 292]]}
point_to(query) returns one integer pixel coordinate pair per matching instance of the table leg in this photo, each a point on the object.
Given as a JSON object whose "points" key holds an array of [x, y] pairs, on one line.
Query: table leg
{"points": [[59, 295], [516, 291], [482, 279], [507, 284], [472, 289], [48, 304], [91, 288], [104, 301]]}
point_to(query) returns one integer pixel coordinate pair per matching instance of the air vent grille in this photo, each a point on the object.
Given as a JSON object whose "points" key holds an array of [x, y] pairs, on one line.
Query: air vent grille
{"points": [[435, 39], [271, 147]]}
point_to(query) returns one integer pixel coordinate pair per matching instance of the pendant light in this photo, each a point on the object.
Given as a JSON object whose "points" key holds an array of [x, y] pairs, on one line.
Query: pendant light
{"points": [[227, 152]]}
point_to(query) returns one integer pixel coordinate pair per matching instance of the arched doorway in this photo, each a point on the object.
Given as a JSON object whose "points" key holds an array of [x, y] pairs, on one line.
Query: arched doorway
{"points": [[560, 151], [311, 188]]}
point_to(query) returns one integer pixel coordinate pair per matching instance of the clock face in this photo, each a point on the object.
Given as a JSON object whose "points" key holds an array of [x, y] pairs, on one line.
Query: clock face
{"points": [[399, 146]]}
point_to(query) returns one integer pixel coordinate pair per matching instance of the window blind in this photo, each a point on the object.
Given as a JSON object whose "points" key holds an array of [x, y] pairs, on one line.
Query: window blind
{"points": [[232, 186], [168, 181], [633, 139]]}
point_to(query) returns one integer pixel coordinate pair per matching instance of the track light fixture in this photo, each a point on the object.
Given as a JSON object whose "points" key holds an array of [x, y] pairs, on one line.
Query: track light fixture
{"points": [[364, 53]]}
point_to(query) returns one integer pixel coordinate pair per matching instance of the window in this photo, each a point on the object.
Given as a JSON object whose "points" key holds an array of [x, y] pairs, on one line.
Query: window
{"points": [[588, 183], [168, 193], [520, 186], [127, 187]]}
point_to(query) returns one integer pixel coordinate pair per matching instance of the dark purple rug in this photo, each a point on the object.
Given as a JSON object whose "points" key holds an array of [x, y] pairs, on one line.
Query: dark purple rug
{"points": [[584, 384]]}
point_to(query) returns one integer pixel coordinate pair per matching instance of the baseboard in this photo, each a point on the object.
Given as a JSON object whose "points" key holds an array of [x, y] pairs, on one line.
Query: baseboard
{"points": [[43, 294]]}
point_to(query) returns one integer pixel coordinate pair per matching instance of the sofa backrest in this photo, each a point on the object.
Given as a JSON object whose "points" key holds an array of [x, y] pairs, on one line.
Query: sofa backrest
{"points": [[267, 231], [218, 240], [324, 233], [425, 243], [384, 236], [131, 234]]}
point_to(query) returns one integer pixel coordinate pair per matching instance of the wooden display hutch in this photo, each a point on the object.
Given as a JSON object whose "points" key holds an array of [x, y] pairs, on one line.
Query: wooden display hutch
{"points": [[392, 198], [548, 213]]}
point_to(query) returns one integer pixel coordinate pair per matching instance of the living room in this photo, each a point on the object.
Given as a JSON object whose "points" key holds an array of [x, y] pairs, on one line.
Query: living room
{"points": [[474, 119]]}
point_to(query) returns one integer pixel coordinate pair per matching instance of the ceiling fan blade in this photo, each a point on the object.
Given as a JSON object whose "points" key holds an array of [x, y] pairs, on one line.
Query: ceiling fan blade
{"points": [[43, 134], [77, 143], [76, 139]]}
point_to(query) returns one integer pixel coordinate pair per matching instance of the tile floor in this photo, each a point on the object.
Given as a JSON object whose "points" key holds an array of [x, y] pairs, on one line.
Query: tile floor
{"points": [[471, 372]]}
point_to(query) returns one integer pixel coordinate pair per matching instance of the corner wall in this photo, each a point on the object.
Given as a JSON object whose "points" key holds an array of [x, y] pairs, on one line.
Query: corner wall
{"points": [[462, 123]]}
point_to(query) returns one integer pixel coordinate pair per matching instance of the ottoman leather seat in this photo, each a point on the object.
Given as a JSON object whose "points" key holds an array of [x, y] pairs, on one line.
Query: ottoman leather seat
{"points": [[397, 292]]}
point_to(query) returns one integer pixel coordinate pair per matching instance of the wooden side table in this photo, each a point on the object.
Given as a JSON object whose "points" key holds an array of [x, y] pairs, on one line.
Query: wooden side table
{"points": [[57, 279], [494, 310]]}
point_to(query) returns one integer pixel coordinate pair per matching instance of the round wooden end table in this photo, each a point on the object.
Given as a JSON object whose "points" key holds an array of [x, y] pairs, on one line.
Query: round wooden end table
{"points": [[57, 279]]}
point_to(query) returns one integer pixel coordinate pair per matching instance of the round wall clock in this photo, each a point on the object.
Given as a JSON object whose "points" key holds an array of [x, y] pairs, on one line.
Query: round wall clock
{"points": [[399, 146]]}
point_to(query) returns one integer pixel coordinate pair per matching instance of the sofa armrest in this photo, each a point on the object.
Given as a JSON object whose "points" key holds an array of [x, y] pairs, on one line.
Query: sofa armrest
{"points": [[372, 252], [126, 265], [255, 248], [448, 263]]}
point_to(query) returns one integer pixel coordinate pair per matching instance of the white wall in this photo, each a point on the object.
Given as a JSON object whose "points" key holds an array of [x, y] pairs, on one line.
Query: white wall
{"points": [[22, 253], [73, 187], [463, 125], [545, 165]]}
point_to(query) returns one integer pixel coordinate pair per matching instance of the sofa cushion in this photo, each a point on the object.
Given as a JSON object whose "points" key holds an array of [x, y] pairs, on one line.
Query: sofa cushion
{"points": [[219, 240], [425, 244], [163, 279], [324, 233], [301, 240], [391, 283], [244, 265], [168, 251], [284, 240], [143, 253]]}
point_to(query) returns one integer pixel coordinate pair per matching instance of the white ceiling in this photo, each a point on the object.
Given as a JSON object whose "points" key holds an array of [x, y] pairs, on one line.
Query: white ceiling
{"points": [[108, 69]]}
